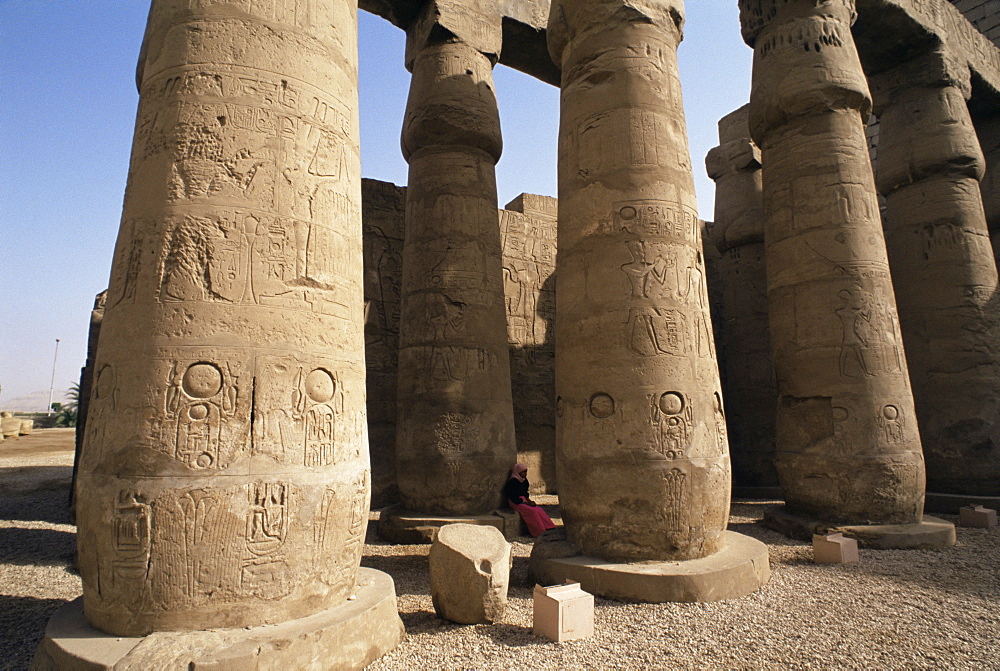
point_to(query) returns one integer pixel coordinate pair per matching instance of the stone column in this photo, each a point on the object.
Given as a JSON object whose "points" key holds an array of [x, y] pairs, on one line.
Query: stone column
{"points": [[224, 477], [848, 447], [987, 124], [641, 437], [455, 432], [945, 274], [748, 384]]}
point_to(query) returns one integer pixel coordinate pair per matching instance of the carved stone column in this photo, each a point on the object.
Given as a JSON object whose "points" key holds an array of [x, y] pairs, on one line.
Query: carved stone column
{"points": [[848, 447], [224, 476], [641, 437], [929, 169], [987, 124], [455, 432], [749, 386]]}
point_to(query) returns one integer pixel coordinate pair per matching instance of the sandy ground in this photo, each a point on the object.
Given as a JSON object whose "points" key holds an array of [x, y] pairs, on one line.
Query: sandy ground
{"points": [[892, 610]]}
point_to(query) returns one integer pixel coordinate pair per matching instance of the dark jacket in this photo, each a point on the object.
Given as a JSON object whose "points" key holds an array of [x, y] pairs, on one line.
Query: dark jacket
{"points": [[515, 491]]}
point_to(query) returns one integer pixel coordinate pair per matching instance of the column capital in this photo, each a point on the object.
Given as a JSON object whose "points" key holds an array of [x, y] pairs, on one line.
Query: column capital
{"points": [[474, 22], [756, 14], [934, 69], [732, 156], [571, 20]]}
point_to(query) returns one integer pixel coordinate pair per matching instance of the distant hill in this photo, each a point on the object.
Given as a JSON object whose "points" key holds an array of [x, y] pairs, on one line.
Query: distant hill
{"points": [[36, 401]]}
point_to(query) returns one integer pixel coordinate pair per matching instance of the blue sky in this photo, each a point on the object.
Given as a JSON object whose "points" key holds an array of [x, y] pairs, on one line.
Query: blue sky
{"points": [[66, 115]]}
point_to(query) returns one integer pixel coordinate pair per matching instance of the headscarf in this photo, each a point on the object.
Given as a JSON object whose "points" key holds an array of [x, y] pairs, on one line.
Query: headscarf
{"points": [[516, 471]]}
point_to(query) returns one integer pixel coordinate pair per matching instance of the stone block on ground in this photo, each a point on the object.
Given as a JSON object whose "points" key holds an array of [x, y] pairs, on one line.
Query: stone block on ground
{"points": [[26, 426], [977, 517], [10, 427], [470, 572], [834, 549], [397, 525], [562, 612]]}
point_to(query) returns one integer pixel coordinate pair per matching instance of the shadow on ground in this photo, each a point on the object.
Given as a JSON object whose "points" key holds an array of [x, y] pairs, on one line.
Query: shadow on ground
{"points": [[22, 623]]}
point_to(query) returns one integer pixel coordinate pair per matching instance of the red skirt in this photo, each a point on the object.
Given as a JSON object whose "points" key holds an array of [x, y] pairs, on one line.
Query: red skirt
{"points": [[533, 516]]}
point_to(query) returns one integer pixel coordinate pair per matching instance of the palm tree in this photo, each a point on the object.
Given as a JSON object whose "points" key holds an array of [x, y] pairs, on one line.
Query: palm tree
{"points": [[73, 397]]}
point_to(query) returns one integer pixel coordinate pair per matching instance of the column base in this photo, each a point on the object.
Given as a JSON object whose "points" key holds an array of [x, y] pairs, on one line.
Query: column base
{"points": [[404, 527], [928, 534], [348, 636], [950, 503], [738, 569]]}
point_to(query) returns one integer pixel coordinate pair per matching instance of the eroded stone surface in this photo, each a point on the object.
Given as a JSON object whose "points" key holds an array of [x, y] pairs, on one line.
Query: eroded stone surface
{"points": [[382, 213], [455, 428], [528, 235], [644, 466], [224, 475], [748, 382], [944, 271], [347, 636], [848, 447], [469, 573]]}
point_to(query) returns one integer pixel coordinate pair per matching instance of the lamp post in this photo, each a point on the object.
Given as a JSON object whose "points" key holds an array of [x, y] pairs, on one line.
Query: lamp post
{"points": [[52, 384]]}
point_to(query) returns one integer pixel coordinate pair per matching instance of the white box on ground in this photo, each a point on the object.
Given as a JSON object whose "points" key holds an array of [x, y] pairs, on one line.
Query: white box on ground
{"points": [[977, 517], [834, 549], [563, 612]]}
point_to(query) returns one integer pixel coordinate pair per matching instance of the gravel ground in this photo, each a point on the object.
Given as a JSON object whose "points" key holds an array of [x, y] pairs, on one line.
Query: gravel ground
{"points": [[894, 609]]}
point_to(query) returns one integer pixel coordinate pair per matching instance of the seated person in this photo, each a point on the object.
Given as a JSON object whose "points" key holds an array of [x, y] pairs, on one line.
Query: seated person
{"points": [[515, 492]]}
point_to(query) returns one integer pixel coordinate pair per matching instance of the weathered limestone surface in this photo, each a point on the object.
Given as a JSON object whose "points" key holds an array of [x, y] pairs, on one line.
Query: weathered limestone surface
{"points": [[348, 636], [848, 447], [469, 573], [644, 466], [85, 387], [988, 130], [528, 235], [944, 271], [748, 381], [455, 428], [383, 216], [224, 476]]}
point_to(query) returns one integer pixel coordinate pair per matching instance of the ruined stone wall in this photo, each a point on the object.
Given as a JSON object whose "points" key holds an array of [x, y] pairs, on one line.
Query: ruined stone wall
{"points": [[528, 233], [382, 214], [984, 15]]}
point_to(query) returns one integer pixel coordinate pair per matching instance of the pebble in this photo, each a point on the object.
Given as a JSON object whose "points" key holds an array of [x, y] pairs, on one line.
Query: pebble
{"points": [[894, 609]]}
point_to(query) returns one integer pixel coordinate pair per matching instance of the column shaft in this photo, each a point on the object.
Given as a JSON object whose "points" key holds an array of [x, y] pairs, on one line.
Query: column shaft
{"points": [[224, 476], [848, 447], [929, 168], [641, 443], [748, 383], [455, 433]]}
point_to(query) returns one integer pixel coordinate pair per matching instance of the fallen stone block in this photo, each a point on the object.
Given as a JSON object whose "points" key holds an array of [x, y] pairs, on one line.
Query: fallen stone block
{"points": [[470, 572], [26, 426], [10, 427]]}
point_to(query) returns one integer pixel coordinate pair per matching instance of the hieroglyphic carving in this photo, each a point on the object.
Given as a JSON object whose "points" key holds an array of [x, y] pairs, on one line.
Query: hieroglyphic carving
{"points": [[674, 498], [892, 422], [197, 542], [246, 258], [200, 396], [528, 237], [871, 340], [104, 402], [132, 524], [264, 571], [672, 422]]}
